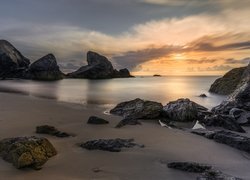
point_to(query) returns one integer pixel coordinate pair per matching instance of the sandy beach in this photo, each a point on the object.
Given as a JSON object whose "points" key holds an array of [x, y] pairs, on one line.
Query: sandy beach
{"points": [[20, 114]]}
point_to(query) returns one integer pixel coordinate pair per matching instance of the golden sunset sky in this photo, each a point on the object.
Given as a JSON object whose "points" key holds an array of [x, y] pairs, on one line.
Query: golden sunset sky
{"points": [[168, 37]]}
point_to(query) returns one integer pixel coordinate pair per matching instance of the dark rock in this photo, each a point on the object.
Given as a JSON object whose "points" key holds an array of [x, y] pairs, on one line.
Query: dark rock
{"points": [[184, 110], [46, 129], [24, 152], [12, 63], [45, 68], [203, 95], [206, 172], [228, 83], [99, 67], [138, 109], [216, 175], [96, 120], [203, 132], [242, 117], [112, 145], [225, 137], [234, 140], [127, 121], [224, 121], [189, 166], [156, 75]]}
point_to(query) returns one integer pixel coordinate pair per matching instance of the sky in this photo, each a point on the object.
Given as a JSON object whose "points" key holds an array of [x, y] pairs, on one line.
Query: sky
{"points": [[168, 37]]}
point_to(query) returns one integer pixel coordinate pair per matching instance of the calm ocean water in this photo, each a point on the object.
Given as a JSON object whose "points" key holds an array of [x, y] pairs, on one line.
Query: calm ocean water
{"points": [[113, 91]]}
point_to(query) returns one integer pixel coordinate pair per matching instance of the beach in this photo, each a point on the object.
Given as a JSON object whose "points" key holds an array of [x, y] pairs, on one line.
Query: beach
{"points": [[20, 114]]}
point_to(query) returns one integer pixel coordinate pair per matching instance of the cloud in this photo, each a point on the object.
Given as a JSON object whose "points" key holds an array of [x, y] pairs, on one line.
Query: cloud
{"points": [[244, 61], [201, 61], [217, 68]]}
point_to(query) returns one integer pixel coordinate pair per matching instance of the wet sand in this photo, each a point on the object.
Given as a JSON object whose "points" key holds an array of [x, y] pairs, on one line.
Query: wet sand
{"points": [[20, 114]]}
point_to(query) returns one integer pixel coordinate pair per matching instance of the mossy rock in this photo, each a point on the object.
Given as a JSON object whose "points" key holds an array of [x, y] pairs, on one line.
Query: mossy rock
{"points": [[24, 152]]}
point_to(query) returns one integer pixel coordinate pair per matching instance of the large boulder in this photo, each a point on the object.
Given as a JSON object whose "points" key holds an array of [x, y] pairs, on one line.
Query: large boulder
{"points": [[45, 68], [228, 83], [12, 63], [184, 110], [24, 152], [138, 109], [99, 67]]}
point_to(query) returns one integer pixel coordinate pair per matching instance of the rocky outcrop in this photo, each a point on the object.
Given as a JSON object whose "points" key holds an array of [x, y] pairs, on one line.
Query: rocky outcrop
{"points": [[99, 67], [224, 121], [51, 130], [138, 109], [228, 83], [225, 137], [127, 121], [45, 68], [12, 63], [184, 110], [112, 145], [96, 120], [206, 172], [24, 152]]}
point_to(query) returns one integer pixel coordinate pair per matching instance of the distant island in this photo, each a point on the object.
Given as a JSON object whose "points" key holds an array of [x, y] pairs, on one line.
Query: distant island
{"points": [[14, 65], [156, 75]]}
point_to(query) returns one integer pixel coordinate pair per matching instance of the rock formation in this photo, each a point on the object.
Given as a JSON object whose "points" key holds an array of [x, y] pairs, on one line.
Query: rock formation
{"points": [[45, 68], [99, 67], [228, 83], [183, 110], [12, 63], [51, 130], [24, 152], [138, 109], [96, 120]]}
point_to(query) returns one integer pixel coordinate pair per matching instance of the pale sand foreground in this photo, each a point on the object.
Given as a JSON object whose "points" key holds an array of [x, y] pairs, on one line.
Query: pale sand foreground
{"points": [[19, 115]]}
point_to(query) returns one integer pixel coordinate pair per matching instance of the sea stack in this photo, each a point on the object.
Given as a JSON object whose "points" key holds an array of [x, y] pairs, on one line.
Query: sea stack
{"points": [[12, 63], [99, 67], [45, 68]]}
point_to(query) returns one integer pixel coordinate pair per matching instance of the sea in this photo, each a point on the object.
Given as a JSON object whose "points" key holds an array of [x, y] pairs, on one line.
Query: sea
{"points": [[110, 92]]}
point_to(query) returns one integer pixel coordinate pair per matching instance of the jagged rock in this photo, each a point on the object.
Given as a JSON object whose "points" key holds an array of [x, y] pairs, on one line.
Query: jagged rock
{"points": [[184, 110], [96, 120], [206, 172], [112, 145], [225, 137], [12, 63], [224, 121], [99, 67], [242, 117], [216, 175], [138, 109], [203, 95], [46, 129], [25, 152], [127, 121], [45, 68], [228, 83]]}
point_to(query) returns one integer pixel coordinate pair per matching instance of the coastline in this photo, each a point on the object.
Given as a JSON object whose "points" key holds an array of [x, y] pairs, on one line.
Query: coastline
{"points": [[21, 114]]}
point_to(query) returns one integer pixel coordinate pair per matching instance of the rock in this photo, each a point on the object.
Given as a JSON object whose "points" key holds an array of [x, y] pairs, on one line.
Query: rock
{"points": [[96, 120], [183, 110], [208, 172], [234, 140], [112, 145], [127, 121], [224, 121], [156, 75], [228, 83], [189, 167], [138, 109], [242, 117], [203, 132], [45, 68], [24, 152], [216, 175], [99, 67], [12, 63], [203, 95], [225, 137], [46, 129]]}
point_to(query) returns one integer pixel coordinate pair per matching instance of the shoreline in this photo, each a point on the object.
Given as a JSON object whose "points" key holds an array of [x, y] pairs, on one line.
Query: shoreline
{"points": [[21, 114]]}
